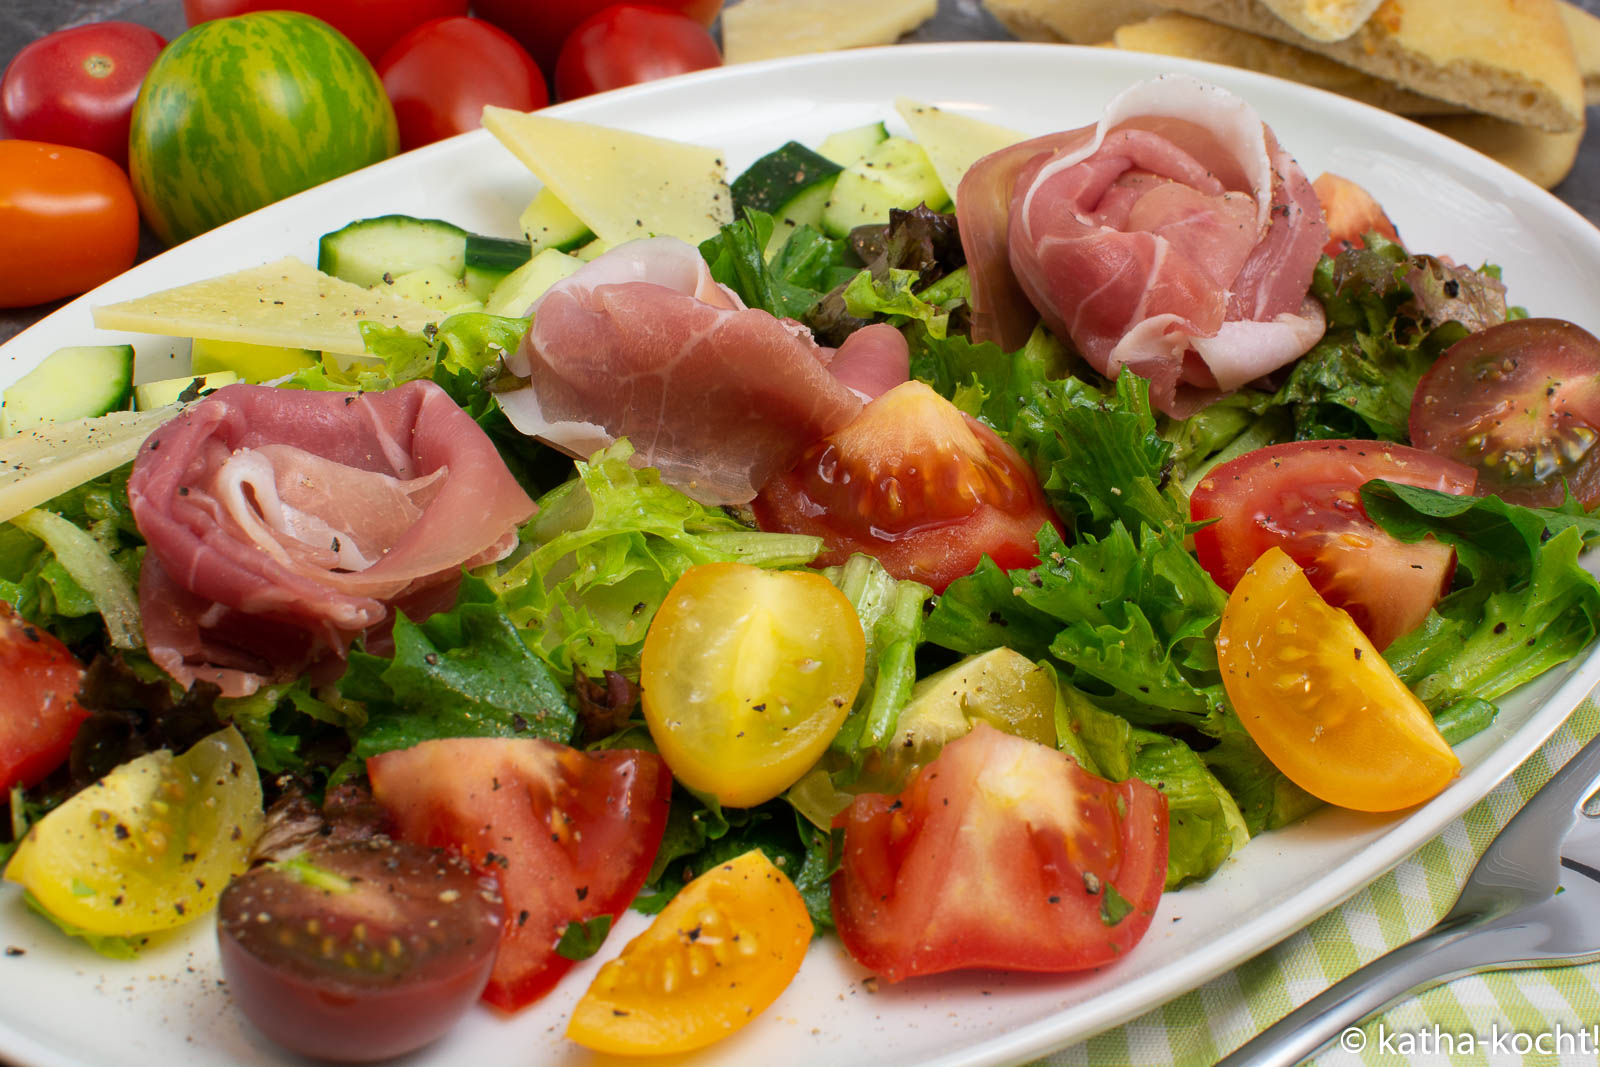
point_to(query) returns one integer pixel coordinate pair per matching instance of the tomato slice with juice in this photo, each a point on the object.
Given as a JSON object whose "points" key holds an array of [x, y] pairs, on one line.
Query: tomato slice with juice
{"points": [[1305, 497], [570, 835], [1001, 853], [917, 483]]}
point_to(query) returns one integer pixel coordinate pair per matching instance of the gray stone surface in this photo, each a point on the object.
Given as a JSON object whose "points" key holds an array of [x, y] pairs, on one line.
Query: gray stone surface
{"points": [[958, 20]]}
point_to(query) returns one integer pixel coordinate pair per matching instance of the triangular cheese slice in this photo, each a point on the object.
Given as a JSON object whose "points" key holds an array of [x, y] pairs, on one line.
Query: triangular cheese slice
{"points": [[954, 142], [622, 185], [41, 463], [288, 304]]}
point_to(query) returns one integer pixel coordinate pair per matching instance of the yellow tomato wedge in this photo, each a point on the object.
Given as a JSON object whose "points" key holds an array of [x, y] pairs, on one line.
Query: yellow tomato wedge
{"points": [[747, 675], [725, 948], [1320, 700], [149, 846]]}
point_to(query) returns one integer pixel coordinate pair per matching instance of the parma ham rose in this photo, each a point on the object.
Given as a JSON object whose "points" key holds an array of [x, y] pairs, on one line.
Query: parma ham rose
{"points": [[1174, 237], [642, 343], [282, 525]]}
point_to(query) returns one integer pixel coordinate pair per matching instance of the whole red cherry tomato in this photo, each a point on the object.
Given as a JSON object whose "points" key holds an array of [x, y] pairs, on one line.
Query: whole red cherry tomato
{"points": [[625, 44], [76, 87], [372, 25], [69, 219], [441, 74], [543, 25]]}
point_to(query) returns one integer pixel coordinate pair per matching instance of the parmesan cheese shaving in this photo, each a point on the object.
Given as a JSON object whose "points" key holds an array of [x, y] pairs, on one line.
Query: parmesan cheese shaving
{"points": [[287, 304], [621, 185], [41, 463]]}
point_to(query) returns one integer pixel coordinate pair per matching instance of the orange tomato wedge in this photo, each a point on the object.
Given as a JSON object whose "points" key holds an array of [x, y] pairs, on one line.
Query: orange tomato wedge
{"points": [[729, 943], [1320, 700]]}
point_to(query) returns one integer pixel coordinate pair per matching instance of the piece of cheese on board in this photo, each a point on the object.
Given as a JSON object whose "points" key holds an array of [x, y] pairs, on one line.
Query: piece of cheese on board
{"points": [[287, 304], [620, 184], [766, 29]]}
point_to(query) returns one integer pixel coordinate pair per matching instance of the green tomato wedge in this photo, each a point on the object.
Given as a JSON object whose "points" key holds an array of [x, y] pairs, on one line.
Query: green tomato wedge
{"points": [[149, 846]]}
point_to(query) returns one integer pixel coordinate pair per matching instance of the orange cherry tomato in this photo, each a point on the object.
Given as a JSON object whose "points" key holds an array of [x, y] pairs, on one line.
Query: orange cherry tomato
{"points": [[1319, 699], [69, 218]]}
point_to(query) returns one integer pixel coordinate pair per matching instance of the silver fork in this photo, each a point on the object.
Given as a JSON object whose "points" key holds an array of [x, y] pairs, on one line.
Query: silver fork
{"points": [[1510, 914]]}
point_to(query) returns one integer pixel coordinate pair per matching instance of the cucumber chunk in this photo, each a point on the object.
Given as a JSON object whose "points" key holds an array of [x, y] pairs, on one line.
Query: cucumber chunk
{"points": [[548, 223], [71, 383], [792, 184], [895, 174], [851, 146], [489, 260], [363, 252], [528, 282], [159, 394]]}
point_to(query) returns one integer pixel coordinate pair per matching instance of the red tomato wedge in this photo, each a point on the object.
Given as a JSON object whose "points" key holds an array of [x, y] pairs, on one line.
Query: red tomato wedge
{"points": [[39, 712], [1521, 403], [919, 484], [1351, 213], [1305, 497], [1001, 853], [570, 835]]}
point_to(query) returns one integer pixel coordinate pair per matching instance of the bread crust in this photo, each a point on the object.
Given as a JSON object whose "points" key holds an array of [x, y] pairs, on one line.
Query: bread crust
{"points": [[1175, 34], [1508, 58]]}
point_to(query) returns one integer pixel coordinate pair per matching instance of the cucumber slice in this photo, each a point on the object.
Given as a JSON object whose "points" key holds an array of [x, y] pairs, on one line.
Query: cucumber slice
{"points": [[363, 252], [71, 383], [895, 174], [851, 146], [528, 282], [548, 223], [792, 184], [433, 286], [159, 394], [253, 363], [489, 260]]}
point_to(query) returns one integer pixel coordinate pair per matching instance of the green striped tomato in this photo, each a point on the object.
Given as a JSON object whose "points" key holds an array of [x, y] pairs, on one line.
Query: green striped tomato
{"points": [[240, 112]]}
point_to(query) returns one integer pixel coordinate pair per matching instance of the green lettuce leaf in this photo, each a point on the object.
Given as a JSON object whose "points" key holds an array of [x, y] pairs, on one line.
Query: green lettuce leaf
{"points": [[1526, 604], [461, 673], [602, 552], [1204, 824]]}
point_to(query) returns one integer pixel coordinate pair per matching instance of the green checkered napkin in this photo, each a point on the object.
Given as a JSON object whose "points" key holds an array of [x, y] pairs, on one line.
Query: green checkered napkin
{"points": [[1203, 1025]]}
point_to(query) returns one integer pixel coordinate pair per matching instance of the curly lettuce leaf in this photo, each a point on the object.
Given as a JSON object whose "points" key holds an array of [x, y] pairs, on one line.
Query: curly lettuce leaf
{"points": [[1132, 623], [601, 554], [1100, 455]]}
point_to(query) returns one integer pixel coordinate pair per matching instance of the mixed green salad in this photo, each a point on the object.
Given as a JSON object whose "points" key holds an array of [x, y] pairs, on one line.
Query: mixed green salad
{"points": [[1104, 649]]}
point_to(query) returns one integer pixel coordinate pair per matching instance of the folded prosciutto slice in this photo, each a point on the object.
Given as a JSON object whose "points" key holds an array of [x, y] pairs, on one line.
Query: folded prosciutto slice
{"points": [[642, 343], [283, 524], [1174, 237]]}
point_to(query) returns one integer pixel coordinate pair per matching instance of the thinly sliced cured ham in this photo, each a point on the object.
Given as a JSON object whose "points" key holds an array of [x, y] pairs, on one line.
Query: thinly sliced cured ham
{"points": [[1174, 236], [282, 525], [642, 343]]}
